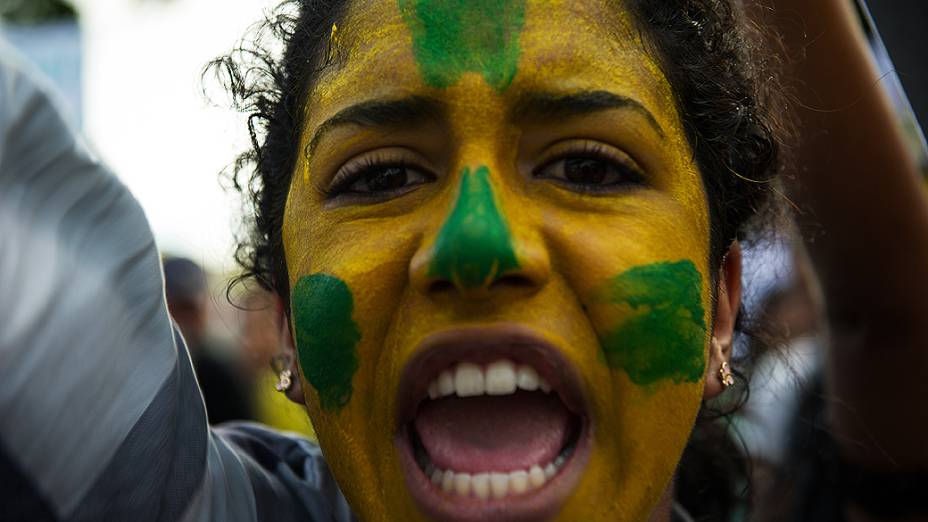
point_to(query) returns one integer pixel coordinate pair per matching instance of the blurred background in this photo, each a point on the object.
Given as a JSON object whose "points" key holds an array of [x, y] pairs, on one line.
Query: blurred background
{"points": [[130, 72]]}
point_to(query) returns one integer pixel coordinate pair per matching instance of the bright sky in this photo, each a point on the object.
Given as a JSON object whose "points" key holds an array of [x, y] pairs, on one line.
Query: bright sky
{"points": [[145, 114]]}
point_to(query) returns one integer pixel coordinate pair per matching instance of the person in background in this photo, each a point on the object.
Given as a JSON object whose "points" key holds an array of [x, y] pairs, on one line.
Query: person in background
{"points": [[224, 390]]}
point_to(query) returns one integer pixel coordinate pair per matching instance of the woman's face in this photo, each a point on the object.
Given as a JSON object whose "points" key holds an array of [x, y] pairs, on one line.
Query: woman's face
{"points": [[497, 244]]}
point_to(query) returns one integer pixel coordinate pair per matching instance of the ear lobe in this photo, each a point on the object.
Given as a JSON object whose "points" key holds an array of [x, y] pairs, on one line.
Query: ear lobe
{"points": [[728, 303], [295, 391]]}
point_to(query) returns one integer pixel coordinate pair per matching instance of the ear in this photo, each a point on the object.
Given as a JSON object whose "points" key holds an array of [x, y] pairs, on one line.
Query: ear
{"points": [[728, 303], [295, 392]]}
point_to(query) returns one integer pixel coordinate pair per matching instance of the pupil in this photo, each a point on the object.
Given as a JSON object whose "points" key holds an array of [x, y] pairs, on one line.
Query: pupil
{"points": [[389, 178], [584, 170]]}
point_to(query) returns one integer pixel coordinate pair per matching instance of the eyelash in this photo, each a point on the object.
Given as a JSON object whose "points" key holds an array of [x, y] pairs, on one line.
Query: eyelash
{"points": [[625, 166], [356, 170]]}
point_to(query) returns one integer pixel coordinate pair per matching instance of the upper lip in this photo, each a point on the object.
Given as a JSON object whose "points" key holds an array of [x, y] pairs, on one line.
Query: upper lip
{"points": [[483, 345]]}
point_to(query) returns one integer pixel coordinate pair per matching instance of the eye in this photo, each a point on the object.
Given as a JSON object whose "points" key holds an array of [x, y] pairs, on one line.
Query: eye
{"points": [[383, 178], [591, 167], [376, 178]]}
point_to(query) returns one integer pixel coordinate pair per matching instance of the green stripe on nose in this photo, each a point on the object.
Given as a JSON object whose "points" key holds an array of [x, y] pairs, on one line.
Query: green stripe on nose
{"points": [[474, 246]]}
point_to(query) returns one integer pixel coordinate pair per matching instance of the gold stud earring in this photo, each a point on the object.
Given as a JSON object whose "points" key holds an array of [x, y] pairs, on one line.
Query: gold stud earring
{"points": [[725, 375], [281, 366], [284, 381]]}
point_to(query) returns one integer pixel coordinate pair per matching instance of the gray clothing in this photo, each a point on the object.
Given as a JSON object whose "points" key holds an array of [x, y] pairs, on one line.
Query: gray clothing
{"points": [[100, 414]]}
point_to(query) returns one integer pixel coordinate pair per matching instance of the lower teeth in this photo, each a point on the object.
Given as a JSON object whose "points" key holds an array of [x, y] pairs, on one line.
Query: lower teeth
{"points": [[489, 484]]}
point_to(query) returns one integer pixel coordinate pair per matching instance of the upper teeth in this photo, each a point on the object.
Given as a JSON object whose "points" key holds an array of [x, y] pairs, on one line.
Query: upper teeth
{"points": [[502, 377]]}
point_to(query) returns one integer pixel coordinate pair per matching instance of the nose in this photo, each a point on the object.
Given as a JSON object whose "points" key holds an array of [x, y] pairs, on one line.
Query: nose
{"points": [[475, 251]]}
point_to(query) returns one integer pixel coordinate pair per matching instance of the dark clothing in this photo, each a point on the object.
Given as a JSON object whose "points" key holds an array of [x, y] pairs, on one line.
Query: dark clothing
{"points": [[223, 390]]}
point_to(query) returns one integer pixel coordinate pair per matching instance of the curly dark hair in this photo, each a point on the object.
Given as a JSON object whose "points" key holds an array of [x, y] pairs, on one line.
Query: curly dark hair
{"points": [[725, 86]]}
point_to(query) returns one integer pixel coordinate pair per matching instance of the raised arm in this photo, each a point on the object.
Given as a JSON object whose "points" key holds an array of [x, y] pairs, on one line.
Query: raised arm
{"points": [[100, 414], [865, 218]]}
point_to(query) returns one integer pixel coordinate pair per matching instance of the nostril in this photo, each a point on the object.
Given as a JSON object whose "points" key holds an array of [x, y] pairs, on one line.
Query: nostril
{"points": [[512, 280], [441, 286]]}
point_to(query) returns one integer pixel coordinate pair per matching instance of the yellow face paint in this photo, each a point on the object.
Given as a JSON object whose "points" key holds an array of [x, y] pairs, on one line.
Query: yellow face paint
{"points": [[591, 271]]}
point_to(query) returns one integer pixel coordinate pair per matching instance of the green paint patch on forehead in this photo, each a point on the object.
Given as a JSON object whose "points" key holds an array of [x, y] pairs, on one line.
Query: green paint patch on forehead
{"points": [[474, 246], [664, 338], [326, 336], [452, 37]]}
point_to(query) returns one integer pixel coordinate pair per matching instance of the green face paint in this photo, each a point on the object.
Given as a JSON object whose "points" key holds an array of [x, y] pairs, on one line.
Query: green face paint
{"points": [[326, 336], [473, 247], [451, 37], [665, 337]]}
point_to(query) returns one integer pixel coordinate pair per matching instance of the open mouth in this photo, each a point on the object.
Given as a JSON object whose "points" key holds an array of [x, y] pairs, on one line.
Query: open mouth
{"points": [[491, 423]]}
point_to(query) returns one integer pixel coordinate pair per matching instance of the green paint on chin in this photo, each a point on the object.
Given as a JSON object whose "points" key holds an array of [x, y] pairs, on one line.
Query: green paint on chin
{"points": [[473, 247], [326, 336], [452, 37], [664, 339]]}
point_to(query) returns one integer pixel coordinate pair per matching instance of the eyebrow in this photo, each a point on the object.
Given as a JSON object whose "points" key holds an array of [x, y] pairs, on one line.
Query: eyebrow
{"points": [[391, 113], [554, 106]]}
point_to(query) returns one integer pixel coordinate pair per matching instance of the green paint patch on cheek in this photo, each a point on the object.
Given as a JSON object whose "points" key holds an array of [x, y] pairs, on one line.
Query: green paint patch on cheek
{"points": [[452, 37], [326, 336], [664, 338], [474, 246]]}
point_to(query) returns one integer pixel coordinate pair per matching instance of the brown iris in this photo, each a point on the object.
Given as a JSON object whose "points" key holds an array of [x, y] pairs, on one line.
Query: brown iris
{"points": [[384, 179], [585, 170]]}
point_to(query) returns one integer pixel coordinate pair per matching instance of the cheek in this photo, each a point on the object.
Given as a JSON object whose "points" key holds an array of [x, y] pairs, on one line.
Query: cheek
{"points": [[650, 324], [661, 330], [639, 274], [638, 440], [326, 336], [640, 279], [346, 278], [345, 288]]}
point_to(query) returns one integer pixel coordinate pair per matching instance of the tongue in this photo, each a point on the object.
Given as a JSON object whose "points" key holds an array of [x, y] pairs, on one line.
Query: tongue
{"points": [[493, 433]]}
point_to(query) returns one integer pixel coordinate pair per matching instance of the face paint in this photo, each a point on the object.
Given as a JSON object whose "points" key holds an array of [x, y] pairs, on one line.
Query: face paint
{"points": [[451, 37], [665, 337], [326, 337], [467, 225], [474, 246]]}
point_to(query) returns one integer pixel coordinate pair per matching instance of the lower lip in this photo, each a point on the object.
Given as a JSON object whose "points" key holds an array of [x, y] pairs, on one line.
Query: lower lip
{"points": [[540, 504]]}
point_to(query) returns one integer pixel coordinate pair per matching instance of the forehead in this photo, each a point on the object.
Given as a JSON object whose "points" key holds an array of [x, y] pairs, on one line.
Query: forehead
{"points": [[394, 48]]}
